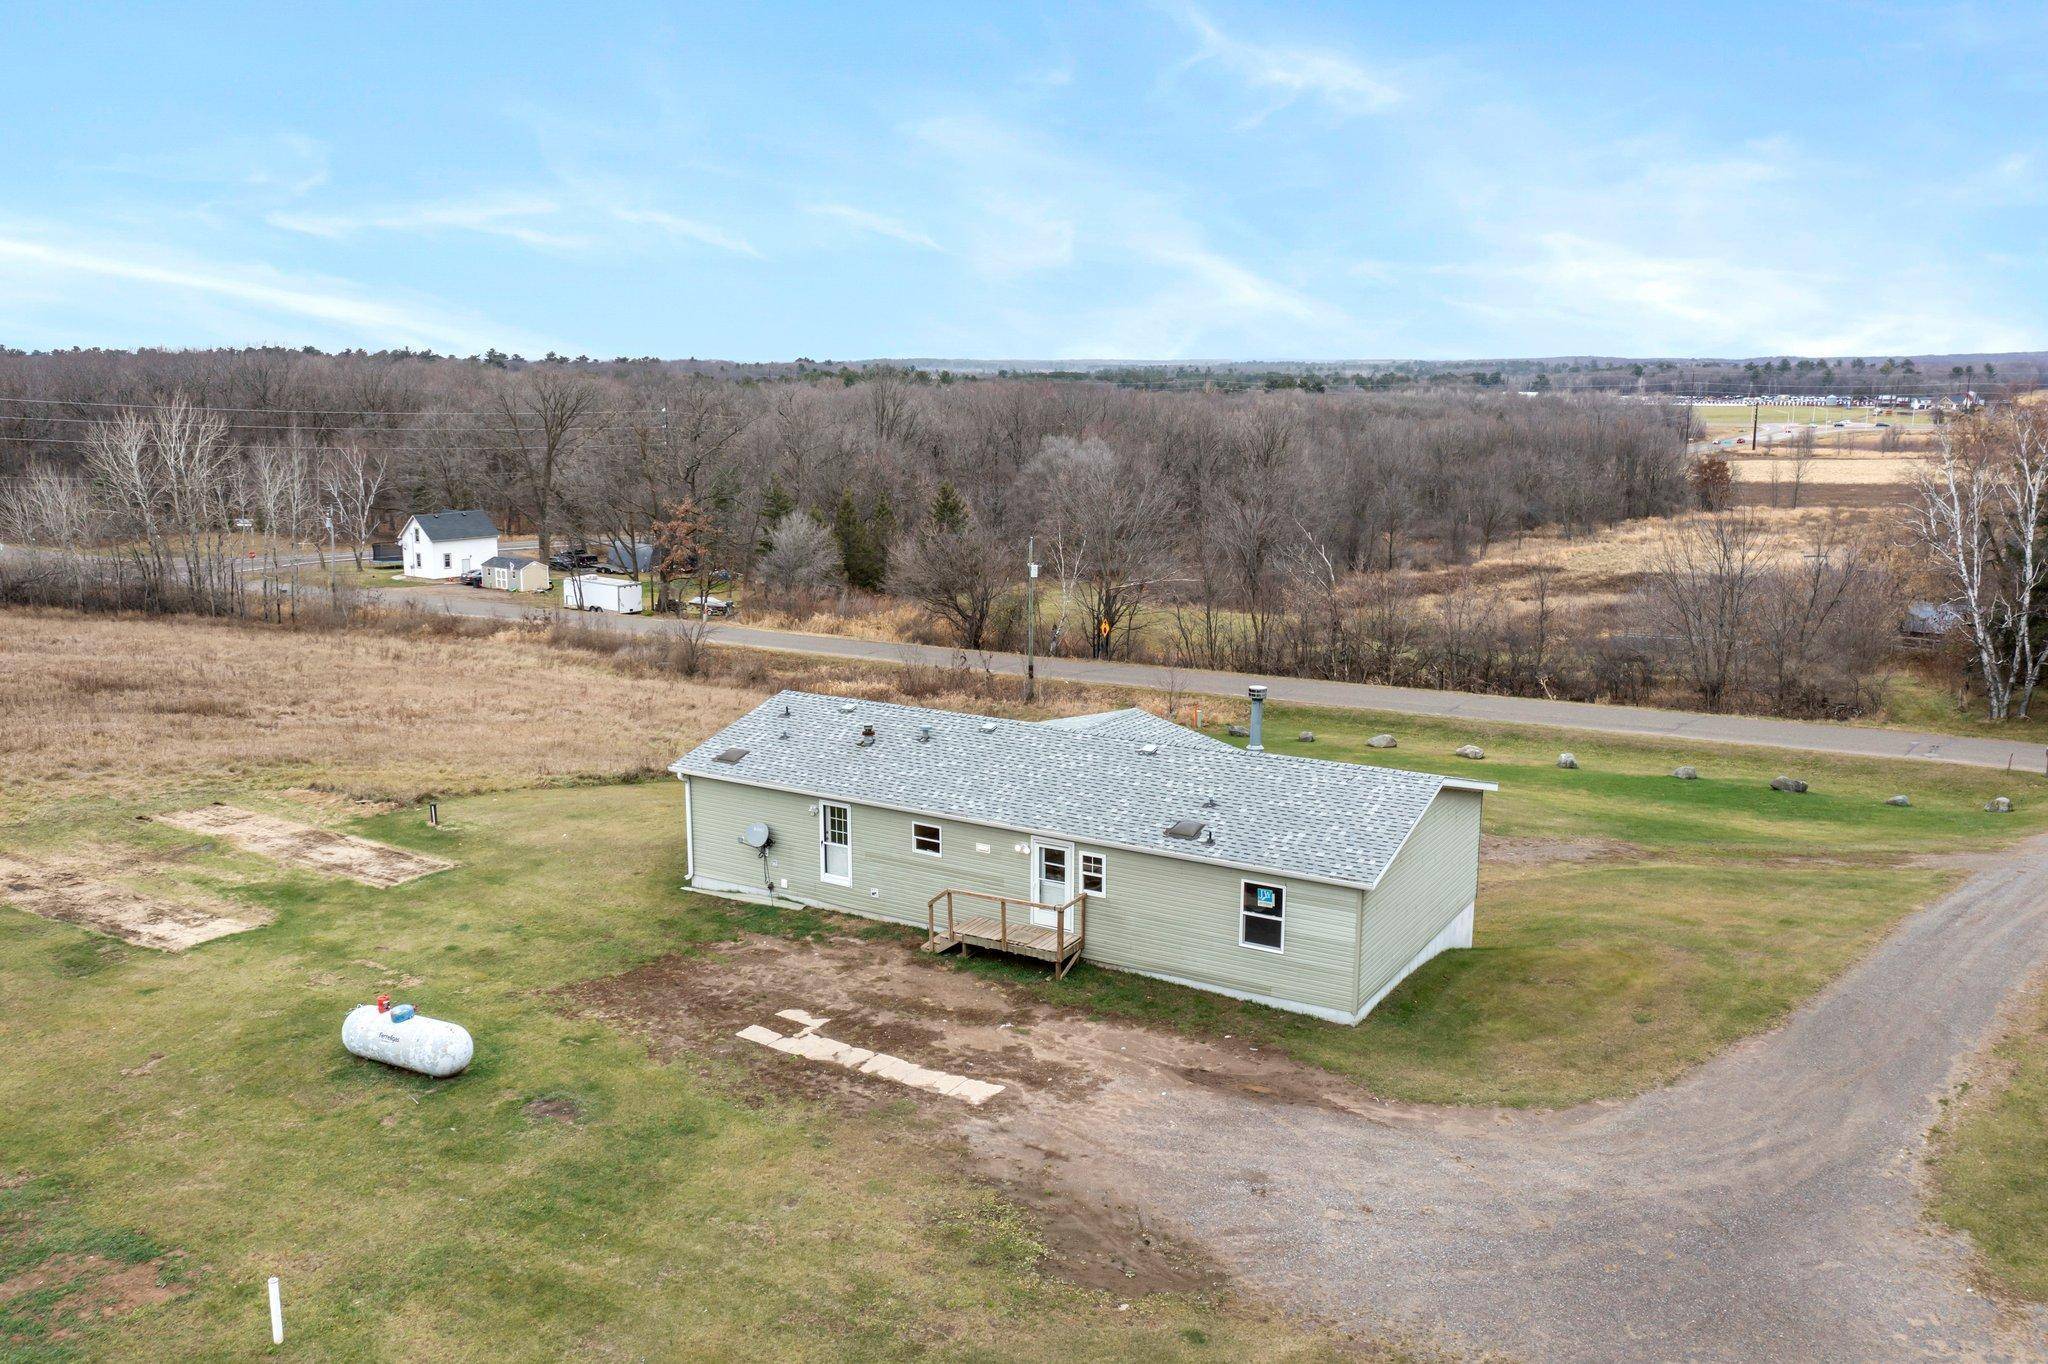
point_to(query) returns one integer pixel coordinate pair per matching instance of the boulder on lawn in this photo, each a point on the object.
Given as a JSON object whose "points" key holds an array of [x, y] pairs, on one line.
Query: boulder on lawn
{"points": [[1686, 773], [1472, 751], [1307, 736], [1239, 732], [1566, 760], [1901, 801], [1791, 784], [1382, 741], [1998, 805]]}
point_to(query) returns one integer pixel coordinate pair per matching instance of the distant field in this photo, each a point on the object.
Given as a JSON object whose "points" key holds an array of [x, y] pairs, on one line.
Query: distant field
{"points": [[1731, 416]]}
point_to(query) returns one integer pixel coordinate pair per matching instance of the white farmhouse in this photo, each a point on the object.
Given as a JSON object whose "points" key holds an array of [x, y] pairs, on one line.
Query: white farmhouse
{"points": [[447, 544]]}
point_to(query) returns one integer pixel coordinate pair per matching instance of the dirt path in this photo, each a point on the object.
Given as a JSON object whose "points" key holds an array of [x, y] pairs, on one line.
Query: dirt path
{"points": [[1766, 1207]]}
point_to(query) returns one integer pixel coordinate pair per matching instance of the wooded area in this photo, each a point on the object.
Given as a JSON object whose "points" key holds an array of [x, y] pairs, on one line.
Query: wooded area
{"points": [[1271, 531]]}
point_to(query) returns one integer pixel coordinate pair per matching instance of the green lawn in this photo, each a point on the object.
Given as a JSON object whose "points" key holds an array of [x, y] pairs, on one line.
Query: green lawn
{"points": [[1913, 700], [1990, 1158], [1718, 906], [197, 1112]]}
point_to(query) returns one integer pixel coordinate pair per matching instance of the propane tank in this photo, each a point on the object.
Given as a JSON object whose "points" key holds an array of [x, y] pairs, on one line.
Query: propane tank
{"points": [[406, 1039]]}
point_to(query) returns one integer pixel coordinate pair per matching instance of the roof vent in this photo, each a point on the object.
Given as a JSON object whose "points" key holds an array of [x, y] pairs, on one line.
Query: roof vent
{"points": [[988, 726], [1191, 829], [1208, 802], [846, 707], [783, 735], [785, 710], [1148, 749], [867, 737], [924, 734], [730, 756]]}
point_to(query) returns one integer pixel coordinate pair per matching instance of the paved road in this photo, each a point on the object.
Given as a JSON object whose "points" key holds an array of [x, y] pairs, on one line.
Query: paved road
{"points": [[1766, 1207], [1846, 740]]}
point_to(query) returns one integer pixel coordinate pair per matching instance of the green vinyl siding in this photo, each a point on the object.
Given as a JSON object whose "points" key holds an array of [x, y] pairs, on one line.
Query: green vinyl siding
{"points": [[1161, 915], [1431, 880], [890, 879], [1167, 917]]}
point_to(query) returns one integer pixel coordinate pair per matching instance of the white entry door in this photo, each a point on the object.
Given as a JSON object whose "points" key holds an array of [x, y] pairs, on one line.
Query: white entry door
{"points": [[835, 844], [1052, 880]]}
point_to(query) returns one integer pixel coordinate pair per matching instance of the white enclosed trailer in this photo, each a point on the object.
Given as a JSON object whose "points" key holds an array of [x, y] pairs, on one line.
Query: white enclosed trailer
{"points": [[599, 592]]}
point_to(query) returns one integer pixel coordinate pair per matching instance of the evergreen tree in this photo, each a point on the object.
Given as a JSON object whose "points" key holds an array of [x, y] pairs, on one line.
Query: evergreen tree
{"points": [[775, 504], [949, 512]]}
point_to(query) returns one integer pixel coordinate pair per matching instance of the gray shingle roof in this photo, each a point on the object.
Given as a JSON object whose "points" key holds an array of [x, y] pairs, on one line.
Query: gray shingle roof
{"points": [[509, 561], [1307, 817], [457, 525], [1139, 726]]}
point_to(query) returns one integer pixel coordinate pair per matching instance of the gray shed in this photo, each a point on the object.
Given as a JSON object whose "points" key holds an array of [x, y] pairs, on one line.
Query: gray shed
{"points": [[1122, 839]]}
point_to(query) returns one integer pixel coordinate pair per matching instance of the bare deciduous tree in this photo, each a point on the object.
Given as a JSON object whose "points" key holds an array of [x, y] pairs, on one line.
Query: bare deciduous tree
{"points": [[801, 556], [1701, 589], [1978, 519]]}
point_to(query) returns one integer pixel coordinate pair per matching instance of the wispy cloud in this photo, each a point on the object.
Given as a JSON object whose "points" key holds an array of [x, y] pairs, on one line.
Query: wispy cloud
{"points": [[1033, 207], [286, 164], [1288, 74], [689, 229], [512, 216], [571, 223], [861, 220], [343, 311]]}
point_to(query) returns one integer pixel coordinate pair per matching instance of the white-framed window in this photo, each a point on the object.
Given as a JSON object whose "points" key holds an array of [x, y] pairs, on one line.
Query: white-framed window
{"points": [[925, 838], [416, 560], [447, 561], [835, 844], [1094, 874], [1260, 920]]}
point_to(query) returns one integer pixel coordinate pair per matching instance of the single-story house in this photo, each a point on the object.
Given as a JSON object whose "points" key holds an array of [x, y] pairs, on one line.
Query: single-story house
{"points": [[447, 544], [599, 592], [515, 573], [1122, 840]]}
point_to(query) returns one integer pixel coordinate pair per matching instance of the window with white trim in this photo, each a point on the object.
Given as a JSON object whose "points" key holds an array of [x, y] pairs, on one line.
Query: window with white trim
{"points": [[1260, 917], [925, 838], [447, 561], [1094, 873], [835, 844]]}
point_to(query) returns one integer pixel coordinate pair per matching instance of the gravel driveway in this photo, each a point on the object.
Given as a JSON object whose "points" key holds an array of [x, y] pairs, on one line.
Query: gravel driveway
{"points": [[1767, 1207]]}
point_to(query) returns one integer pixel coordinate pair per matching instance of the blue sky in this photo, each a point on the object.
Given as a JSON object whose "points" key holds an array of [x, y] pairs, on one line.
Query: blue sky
{"points": [[1441, 180]]}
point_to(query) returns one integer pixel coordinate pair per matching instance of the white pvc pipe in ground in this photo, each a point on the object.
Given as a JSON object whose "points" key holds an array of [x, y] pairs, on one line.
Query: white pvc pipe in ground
{"points": [[276, 1314]]}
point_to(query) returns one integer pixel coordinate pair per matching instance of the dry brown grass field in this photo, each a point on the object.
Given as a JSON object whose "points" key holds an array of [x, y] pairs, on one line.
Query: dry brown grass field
{"points": [[107, 708]]}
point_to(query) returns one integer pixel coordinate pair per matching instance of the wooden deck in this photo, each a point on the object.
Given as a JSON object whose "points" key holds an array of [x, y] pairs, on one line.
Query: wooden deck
{"points": [[952, 921]]}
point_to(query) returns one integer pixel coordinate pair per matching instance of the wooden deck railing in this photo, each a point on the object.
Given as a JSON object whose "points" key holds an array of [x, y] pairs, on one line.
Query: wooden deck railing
{"points": [[1065, 945]]}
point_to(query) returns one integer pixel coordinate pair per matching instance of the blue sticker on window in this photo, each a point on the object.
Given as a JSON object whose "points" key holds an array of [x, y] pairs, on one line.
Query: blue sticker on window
{"points": [[1265, 894]]}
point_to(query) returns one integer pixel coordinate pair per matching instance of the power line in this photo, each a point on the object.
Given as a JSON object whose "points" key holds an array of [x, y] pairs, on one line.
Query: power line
{"points": [[265, 426], [291, 411]]}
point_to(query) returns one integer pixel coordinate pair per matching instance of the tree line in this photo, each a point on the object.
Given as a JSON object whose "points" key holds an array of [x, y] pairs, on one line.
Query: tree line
{"points": [[1283, 530]]}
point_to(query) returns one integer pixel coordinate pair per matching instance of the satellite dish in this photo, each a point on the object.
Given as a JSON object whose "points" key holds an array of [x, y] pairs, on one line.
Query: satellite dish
{"points": [[757, 836]]}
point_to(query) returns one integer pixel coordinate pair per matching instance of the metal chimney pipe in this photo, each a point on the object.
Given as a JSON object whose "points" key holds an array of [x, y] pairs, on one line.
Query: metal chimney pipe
{"points": [[1258, 726]]}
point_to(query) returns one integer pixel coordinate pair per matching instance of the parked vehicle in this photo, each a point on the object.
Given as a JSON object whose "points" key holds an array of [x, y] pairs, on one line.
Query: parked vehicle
{"points": [[598, 592], [706, 605], [473, 578]]}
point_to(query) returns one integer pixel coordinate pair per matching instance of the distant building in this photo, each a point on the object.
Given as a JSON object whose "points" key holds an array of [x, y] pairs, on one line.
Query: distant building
{"points": [[447, 544], [515, 573]]}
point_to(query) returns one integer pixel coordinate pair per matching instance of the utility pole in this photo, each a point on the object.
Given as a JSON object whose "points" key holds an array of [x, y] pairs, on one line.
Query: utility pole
{"points": [[1031, 619], [1754, 409]]}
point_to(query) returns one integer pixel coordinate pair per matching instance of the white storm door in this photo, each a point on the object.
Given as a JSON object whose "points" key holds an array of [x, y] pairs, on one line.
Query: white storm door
{"points": [[1052, 880], [835, 844]]}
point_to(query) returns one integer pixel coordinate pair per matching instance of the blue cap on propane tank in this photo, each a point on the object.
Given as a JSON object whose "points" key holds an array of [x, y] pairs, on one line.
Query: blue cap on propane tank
{"points": [[401, 1012]]}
